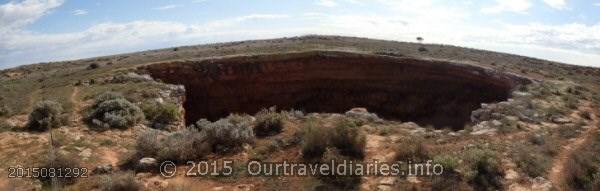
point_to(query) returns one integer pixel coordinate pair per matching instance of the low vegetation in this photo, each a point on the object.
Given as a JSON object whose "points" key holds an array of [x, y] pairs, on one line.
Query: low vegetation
{"points": [[268, 122], [314, 140], [346, 137], [411, 149], [349, 139], [193, 143], [124, 181], [45, 115], [112, 110], [484, 172], [59, 161], [161, 115], [582, 170]]}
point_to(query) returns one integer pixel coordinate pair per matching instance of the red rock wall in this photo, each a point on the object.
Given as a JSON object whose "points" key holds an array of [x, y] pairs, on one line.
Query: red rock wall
{"points": [[427, 92]]}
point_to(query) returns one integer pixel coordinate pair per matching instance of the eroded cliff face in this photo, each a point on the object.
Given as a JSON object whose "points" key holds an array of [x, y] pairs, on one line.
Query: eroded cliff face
{"points": [[423, 91]]}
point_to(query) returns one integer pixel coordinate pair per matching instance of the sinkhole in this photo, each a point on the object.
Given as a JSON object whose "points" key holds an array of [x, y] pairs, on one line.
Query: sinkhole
{"points": [[427, 92]]}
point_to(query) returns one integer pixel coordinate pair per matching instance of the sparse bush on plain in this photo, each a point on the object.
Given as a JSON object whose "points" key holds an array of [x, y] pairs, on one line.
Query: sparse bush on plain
{"points": [[194, 142], [314, 140], [338, 182], [581, 169], [345, 137], [532, 163], [111, 110], [45, 115], [348, 138], [449, 162], [184, 145], [161, 115], [268, 122], [60, 162], [124, 181], [412, 149], [484, 171], [228, 133], [93, 66]]}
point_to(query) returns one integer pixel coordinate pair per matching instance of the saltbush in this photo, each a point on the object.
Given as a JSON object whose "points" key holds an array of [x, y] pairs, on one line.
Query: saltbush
{"points": [[161, 115], [338, 182], [314, 140], [124, 181], [111, 110], [268, 122], [348, 138], [45, 115], [227, 133], [411, 149], [60, 162], [484, 171]]}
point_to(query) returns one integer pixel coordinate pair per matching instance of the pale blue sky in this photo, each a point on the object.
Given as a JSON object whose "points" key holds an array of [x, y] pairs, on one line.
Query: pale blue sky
{"points": [[50, 30]]}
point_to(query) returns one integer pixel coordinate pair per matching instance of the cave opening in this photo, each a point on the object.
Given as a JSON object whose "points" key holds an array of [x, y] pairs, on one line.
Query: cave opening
{"points": [[426, 92]]}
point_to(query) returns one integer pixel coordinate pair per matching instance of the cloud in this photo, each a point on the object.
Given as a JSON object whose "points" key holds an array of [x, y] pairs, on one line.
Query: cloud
{"points": [[199, 1], [597, 4], [14, 15], [335, 3], [107, 38], [556, 4], [166, 7], [327, 3], [80, 12], [516, 6]]}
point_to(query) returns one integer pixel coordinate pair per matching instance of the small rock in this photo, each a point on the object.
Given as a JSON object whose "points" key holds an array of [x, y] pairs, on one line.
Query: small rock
{"points": [[220, 188], [388, 181], [511, 175], [384, 188], [86, 153], [496, 123], [148, 161], [561, 120], [453, 134], [362, 114], [413, 179], [244, 187], [146, 164]]}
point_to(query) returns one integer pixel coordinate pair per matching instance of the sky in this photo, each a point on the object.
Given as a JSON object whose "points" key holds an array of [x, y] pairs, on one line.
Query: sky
{"points": [[34, 31]]}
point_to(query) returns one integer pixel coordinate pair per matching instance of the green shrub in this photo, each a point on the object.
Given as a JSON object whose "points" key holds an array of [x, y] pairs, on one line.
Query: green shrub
{"points": [[484, 171], [582, 170], [62, 162], [113, 111], [161, 115], [268, 122], [533, 164], [148, 144], [314, 140], [348, 138], [93, 66], [121, 182], [106, 96], [228, 133], [184, 145], [338, 182], [411, 149], [450, 163], [45, 115]]}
